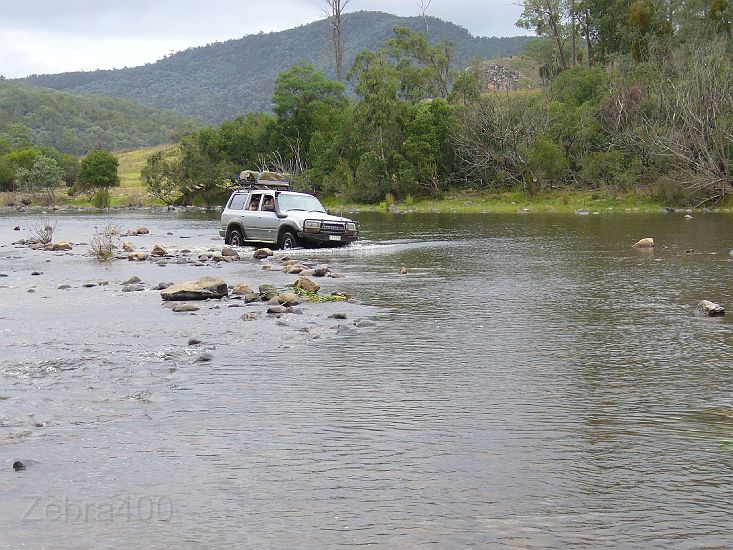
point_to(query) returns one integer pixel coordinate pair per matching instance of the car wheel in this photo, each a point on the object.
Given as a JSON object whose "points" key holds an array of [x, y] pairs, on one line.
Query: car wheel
{"points": [[236, 238], [288, 240]]}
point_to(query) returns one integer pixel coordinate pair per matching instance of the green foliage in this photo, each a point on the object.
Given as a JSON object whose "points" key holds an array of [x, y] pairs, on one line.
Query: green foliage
{"points": [[546, 163], [77, 124], [45, 174], [101, 198], [98, 171], [309, 296]]}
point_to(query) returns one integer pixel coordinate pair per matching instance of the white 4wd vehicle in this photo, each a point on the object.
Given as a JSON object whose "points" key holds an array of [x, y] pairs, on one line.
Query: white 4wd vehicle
{"points": [[268, 212]]}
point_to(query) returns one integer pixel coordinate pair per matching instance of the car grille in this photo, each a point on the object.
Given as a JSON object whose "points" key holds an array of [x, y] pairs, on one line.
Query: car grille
{"points": [[333, 227]]}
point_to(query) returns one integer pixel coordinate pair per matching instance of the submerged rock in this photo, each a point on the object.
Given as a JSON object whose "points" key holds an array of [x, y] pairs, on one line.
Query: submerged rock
{"points": [[203, 289], [706, 308], [133, 280], [403, 271], [185, 308], [251, 316], [138, 256], [646, 242]]}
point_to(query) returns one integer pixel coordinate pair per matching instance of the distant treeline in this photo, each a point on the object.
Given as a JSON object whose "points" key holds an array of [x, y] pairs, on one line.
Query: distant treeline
{"points": [[650, 113], [77, 124]]}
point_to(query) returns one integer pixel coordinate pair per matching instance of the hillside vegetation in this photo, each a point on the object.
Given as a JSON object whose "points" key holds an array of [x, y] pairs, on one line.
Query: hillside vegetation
{"points": [[222, 80], [77, 124]]}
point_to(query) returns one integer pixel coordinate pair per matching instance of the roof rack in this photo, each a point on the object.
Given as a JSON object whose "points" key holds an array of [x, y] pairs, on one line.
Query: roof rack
{"points": [[250, 179]]}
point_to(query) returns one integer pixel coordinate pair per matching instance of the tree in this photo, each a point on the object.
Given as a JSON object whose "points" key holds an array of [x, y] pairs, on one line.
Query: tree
{"points": [[98, 171], [302, 99], [545, 18], [45, 174], [335, 15], [424, 5]]}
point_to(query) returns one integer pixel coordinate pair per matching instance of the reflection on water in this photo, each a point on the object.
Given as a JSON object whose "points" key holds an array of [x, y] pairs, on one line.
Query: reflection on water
{"points": [[532, 381]]}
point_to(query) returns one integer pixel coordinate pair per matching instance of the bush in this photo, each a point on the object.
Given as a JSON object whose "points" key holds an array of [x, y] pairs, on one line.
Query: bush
{"points": [[103, 243], [101, 199]]}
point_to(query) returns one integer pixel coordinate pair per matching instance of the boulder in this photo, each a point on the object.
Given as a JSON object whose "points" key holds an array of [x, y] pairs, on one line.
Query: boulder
{"points": [[141, 231], [276, 310], [251, 316], [338, 315], [203, 289], [262, 253], [133, 281], [706, 308], [163, 286], [294, 269], [321, 271], [289, 299], [307, 285], [133, 288], [59, 246], [253, 297], [159, 251], [242, 289], [127, 246], [646, 242], [403, 271], [229, 252]]}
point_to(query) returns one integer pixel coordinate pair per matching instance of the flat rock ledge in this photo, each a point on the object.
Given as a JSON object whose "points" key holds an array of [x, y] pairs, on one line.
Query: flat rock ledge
{"points": [[203, 289]]}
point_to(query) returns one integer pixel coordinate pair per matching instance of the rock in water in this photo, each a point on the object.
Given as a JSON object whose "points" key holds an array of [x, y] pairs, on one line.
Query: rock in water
{"points": [[267, 292], [262, 253], [185, 308], [227, 251], [706, 308], [307, 285], [159, 251], [646, 242], [203, 289], [242, 289], [403, 271]]}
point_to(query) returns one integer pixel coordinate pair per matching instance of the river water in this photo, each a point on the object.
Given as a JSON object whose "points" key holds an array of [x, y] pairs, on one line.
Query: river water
{"points": [[532, 381]]}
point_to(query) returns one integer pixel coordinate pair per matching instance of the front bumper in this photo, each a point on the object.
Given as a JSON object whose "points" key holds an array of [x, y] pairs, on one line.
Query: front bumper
{"points": [[324, 239]]}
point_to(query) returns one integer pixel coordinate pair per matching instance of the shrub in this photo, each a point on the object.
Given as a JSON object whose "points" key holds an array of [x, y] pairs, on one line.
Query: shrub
{"points": [[101, 199], [103, 243]]}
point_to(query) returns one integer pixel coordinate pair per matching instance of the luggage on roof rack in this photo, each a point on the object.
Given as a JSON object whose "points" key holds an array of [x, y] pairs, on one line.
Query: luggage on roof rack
{"points": [[251, 179]]}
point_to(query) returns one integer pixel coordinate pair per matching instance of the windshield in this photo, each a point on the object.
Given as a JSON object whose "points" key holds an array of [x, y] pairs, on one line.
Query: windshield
{"points": [[300, 202]]}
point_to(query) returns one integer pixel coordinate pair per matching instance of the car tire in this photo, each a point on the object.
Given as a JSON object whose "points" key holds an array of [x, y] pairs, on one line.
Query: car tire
{"points": [[288, 240], [236, 238]]}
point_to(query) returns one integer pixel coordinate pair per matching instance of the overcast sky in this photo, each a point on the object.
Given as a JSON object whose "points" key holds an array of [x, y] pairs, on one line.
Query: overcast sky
{"points": [[52, 36]]}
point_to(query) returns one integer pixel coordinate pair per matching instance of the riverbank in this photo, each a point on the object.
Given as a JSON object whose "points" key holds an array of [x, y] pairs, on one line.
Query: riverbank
{"points": [[456, 202]]}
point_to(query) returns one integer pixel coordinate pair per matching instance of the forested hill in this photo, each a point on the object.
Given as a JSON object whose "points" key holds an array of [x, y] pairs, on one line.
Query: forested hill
{"points": [[219, 81], [77, 124]]}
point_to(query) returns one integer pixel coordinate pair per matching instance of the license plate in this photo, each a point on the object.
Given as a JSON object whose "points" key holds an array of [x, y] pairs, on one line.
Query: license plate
{"points": [[334, 237]]}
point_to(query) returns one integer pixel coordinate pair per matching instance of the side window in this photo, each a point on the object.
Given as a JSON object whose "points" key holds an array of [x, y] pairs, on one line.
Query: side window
{"points": [[254, 203], [237, 202], [268, 205]]}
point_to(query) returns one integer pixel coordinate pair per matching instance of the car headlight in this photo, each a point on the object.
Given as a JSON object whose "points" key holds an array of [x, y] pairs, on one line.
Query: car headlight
{"points": [[312, 226], [350, 228]]}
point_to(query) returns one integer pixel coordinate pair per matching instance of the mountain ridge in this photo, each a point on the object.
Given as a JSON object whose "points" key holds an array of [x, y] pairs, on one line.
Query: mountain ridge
{"points": [[224, 79]]}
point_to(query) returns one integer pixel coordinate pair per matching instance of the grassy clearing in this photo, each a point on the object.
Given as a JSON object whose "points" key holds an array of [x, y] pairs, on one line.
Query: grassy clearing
{"points": [[515, 202], [131, 164]]}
